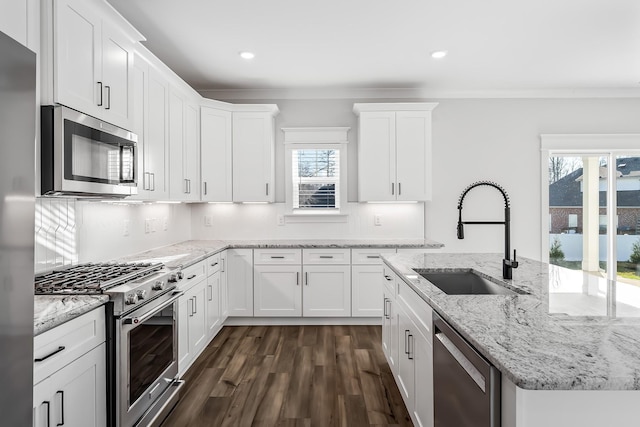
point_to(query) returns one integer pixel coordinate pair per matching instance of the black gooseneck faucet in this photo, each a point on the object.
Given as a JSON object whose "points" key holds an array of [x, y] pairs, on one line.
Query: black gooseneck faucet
{"points": [[507, 264]]}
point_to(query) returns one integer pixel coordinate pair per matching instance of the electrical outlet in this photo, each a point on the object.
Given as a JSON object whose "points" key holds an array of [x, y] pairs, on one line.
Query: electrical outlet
{"points": [[280, 219], [147, 225], [165, 223], [377, 220], [208, 220], [125, 227]]}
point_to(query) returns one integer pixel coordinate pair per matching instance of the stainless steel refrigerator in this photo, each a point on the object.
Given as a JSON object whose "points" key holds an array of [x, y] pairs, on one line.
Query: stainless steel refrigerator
{"points": [[17, 201]]}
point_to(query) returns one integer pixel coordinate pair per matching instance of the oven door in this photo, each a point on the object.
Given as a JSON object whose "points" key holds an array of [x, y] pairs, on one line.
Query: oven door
{"points": [[146, 348]]}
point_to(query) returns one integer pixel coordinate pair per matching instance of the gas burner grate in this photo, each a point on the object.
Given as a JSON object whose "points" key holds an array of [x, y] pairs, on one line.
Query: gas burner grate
{"points": [[92, 278]]}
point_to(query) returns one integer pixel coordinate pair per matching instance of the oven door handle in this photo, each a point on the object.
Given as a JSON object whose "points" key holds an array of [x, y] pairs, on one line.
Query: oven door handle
{"points": [[138, 320]]}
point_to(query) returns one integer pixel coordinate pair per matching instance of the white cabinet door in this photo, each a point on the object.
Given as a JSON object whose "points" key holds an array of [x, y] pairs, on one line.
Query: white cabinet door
{"points": [[423, 371], [74, 396], [390, 331], [215, 155], [327, 291], [253, 157], [191, 149], [213, 304], [240, 282], [405, 374], [224, 289], [366, 290], [156, 147], [177, 182], [139, 79], [78, 57], [413, 155], [377, 156], [117, 61], [197, 318], [277, 290], [184, 353]]}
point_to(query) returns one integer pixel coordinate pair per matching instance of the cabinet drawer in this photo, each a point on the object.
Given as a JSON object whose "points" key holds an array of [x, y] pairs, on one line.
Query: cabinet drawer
{"points": [[369, 256], [420, 312], [326, 256], [277, 256], [213, 264], [193, 274], [63, 344]]}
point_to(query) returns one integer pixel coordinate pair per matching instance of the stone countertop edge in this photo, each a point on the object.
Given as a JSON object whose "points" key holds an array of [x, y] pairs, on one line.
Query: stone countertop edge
{"points": [[533, 349], [186, 253], [54, 310]]}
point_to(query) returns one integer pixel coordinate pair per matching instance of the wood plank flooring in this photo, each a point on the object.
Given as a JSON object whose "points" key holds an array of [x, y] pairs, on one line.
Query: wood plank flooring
{"points": [[291, 376]]}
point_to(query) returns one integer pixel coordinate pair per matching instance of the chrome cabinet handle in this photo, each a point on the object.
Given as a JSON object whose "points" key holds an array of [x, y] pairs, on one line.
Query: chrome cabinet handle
{"points": [[326, 256], [100, 103], [373, 256], [277, 257], [297, 278], [211, 293], [384, 309], [266, 187], [399, 189], [306, 278], [204, 183], [393, 188], [191, 312], [195, 303], [108, 88], [386, 276], [61, 423], [191, 277], [186, 185], [53, 353], [214, 264], [222, 269]]}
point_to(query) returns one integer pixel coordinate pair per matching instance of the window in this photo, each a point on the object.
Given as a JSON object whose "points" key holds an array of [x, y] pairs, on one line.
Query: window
{"points": [[315, 160], [316, 178], [591, 198]]}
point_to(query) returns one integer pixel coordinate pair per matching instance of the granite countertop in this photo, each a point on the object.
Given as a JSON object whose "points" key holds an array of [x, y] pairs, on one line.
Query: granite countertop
{"points": [[53, 310], [189, 252], [573, 331]]}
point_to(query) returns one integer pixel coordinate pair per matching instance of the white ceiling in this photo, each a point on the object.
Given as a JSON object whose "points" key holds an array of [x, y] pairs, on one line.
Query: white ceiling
{"points": [[493, 45]]}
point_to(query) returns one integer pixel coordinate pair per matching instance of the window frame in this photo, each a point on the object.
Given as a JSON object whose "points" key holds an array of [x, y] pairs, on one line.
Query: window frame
{"points": [[326, 138], [605, 145]]}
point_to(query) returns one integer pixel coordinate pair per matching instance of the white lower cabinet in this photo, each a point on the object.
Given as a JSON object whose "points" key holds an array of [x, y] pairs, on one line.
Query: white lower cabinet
{"points": [[214, 320], [240, 282], [277, 290], [224, 288], [75, 395], [70, 373], [327, 291], [407, 344], [192, 328]]}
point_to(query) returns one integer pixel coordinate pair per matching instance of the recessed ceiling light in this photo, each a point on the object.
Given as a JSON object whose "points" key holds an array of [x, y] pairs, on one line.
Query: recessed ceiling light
{"points": [[247, 55], [439, 54]]}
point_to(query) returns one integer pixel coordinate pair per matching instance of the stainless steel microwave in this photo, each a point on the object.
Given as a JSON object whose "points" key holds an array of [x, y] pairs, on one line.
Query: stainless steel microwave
{"points": [[83, 156]]}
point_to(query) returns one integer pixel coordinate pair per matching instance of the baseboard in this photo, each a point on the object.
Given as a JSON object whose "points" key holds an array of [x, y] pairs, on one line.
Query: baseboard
{"points": [[294, 321]]}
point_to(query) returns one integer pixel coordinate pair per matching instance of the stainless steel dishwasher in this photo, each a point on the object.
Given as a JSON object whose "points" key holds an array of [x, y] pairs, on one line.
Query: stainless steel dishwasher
{"points": [[466, 387]]}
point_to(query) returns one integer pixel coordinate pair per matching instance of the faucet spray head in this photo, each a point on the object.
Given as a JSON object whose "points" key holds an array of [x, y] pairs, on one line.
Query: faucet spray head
{"points": [[460, 230]]}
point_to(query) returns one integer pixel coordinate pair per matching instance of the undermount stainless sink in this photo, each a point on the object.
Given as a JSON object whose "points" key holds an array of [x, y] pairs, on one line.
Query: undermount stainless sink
{"points": [[465, 283]]}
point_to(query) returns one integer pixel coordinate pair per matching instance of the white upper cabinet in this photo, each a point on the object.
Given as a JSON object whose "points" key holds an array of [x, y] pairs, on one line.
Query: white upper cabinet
{"points": [[92, 60], [215, 155], [13, 20], [253, 155], [394, 151], [184, 139]]}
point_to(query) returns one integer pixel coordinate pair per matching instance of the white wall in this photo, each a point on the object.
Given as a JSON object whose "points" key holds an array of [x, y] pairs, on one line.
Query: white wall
{"points": [[260, 221], [69, 231], [473, 139]]}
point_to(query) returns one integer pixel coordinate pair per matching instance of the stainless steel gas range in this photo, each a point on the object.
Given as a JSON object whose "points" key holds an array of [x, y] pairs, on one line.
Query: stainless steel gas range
{"points": [[142, 344]]}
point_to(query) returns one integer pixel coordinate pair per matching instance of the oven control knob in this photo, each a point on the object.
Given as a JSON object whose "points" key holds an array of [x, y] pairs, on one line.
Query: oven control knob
{"points": [[131, 299], [158, 286], [174, 277], [141, 293], [180, 276]]}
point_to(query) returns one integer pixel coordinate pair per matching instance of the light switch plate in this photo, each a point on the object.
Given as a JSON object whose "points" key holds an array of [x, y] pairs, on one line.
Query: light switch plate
{"points": [[377, 220], [280, 219]]}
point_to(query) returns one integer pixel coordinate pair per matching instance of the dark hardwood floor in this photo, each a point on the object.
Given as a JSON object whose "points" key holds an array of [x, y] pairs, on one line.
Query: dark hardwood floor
{"points": [[291, 376]]}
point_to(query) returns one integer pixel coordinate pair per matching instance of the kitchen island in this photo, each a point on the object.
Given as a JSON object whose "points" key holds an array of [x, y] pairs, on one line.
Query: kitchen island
{"points": [[568, 335]]}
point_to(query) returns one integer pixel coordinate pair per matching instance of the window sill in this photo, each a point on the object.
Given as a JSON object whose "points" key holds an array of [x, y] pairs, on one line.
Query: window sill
{"points": [[315, 217]]}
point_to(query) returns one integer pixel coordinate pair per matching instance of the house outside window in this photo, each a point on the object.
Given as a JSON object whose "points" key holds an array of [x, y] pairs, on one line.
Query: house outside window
{"points": [[591, 198]]}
